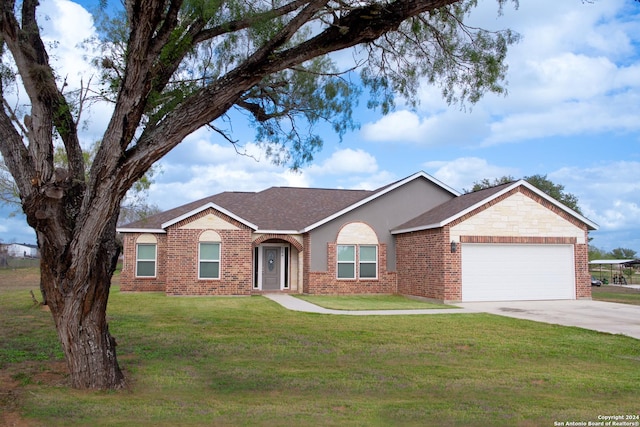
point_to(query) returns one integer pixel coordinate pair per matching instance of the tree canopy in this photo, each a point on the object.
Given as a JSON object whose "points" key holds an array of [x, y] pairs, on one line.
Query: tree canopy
{"points": [[541, 182], [170, 67]]}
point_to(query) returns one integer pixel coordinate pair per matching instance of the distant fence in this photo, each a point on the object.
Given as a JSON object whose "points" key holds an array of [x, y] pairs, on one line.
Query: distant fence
{"points": [[7, 261]]}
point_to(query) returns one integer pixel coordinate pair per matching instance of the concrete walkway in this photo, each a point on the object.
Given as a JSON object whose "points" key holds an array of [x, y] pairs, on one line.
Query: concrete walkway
{"points": [[594, 315], [297, 304]]}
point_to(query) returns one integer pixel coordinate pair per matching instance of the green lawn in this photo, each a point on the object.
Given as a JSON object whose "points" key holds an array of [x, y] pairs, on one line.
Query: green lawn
{"points": [[247, 361], [369, 302], [619, 294]]}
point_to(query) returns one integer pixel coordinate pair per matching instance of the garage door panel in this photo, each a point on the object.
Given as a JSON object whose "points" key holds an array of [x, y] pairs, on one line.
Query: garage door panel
{"points": [[493, 272]]}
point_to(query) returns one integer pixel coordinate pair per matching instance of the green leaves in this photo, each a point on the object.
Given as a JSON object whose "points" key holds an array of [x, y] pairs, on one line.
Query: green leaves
{"points": [[288, 107], [438, 48]]}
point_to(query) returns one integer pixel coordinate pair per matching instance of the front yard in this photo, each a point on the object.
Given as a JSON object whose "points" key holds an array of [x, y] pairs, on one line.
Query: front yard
{"points": [[620, 294], [248, 361]]}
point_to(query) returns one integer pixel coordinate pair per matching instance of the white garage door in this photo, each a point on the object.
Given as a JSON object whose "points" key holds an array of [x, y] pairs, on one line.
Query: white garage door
{"points": [[495, 272]]}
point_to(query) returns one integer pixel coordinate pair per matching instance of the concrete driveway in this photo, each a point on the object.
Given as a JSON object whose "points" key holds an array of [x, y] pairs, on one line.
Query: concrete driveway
{"points": [[596, 315]]}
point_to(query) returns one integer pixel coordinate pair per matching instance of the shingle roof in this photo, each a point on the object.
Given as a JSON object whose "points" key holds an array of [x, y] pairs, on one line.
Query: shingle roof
{"points": [[441, 213], [276, 208], [281, 209]]}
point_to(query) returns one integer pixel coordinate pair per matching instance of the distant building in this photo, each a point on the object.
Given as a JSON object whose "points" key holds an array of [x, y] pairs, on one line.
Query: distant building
{"points": [[22, 250]]}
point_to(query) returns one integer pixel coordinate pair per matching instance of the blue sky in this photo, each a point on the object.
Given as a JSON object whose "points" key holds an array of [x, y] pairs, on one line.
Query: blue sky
{"points": [[572, 113]]}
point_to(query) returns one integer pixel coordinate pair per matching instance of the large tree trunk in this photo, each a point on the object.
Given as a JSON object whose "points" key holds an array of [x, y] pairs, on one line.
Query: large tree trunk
{"points": [[78, 303]]}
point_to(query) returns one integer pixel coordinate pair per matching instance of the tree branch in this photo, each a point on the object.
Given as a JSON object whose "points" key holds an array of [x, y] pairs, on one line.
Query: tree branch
{"points": [[240, 24]]}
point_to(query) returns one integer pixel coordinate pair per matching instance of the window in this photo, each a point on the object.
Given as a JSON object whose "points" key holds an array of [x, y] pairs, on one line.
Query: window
{"points": [[346, 262], [146, 260], [209, 265], [368, 262]]}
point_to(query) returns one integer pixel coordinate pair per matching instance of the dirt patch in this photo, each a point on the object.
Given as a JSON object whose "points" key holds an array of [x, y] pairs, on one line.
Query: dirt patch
{"points": [[15, 381]]}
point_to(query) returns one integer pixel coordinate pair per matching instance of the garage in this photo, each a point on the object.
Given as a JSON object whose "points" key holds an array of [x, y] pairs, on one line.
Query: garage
{"points": [[510, 272]]}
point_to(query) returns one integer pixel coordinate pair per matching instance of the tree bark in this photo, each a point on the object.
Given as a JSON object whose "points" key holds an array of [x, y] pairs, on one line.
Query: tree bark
{"points": [[78, 298]]}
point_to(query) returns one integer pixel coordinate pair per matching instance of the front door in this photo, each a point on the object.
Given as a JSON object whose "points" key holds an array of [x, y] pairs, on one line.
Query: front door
{"points": [[271, 268]]}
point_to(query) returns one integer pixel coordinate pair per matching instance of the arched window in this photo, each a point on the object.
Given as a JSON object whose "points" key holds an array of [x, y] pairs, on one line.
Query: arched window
{"points": [[146, 255], [357, 252], [209, 255]]}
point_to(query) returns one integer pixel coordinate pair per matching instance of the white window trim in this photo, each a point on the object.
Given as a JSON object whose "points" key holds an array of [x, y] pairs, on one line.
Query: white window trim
{"points": [[354, 262], [357, 262], [219, 260], [155, 260], [360, 262]]}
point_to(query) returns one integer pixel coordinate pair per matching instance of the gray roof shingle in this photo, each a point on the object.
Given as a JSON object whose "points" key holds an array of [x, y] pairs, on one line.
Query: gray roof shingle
{"points": [[276, 208]]}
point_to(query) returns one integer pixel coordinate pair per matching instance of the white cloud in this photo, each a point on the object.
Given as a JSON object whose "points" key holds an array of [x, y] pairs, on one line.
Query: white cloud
{"points": [[346, 162], [462, 172], [65, 26], [445, 127], [608, 194], [574, 72], [15, 228]]}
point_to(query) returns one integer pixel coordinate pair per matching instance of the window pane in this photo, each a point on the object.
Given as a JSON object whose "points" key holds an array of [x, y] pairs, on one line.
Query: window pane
{"points": [[209, 270], [368, 253], [346, 271], [147, 252], [368, 271], [346, 253], [146, 269], [210, 251]]}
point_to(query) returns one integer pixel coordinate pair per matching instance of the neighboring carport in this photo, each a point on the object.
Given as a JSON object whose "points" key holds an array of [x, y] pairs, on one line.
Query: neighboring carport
{"points": [[614, 268]]}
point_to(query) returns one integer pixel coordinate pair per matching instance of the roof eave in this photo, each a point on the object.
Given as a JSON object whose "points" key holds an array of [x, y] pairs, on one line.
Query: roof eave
{"points": [[418, 228], [140, 230], [590, 224], [278, 231]]}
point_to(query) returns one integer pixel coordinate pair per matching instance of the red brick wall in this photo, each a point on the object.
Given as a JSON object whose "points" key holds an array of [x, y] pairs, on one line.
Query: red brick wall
{"points": [[177, 262], [421, 264], [583, 277], [316, 282], [236, 255], [427, 267], [128, 280]]}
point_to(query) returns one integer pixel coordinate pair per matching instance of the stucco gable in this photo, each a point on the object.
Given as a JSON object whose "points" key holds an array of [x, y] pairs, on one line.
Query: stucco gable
{"points": [[519, 216]]}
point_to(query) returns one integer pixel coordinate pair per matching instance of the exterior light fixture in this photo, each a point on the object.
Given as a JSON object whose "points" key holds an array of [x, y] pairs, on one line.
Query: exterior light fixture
{"points": [[454, 247]]}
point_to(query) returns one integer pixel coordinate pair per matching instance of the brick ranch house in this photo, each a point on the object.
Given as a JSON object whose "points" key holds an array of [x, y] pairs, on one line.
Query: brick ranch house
{"points": [[416, 236]]}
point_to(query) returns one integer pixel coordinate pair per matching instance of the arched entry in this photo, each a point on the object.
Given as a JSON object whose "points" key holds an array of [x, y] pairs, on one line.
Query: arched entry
{"points": [[276, 263]]}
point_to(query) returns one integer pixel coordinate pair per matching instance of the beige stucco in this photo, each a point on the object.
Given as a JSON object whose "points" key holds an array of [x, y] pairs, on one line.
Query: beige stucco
{"points": [[209, 221], [520, 216], [146, 238], [357, 232], [210, 236]]}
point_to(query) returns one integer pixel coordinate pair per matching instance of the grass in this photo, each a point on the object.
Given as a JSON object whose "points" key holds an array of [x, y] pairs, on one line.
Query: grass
{"points": [[370, 302], [247, 361], [618, 294]]}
